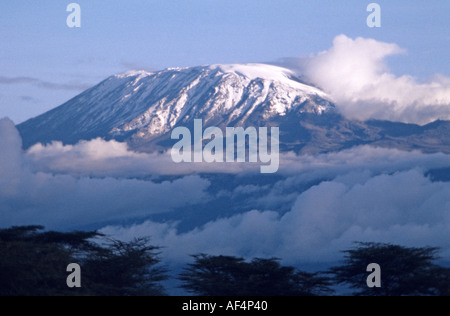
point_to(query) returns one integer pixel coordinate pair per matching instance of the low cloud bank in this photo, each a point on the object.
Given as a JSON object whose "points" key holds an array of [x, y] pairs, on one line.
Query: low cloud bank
{"points": [[404, 207], [330, 200], [67, 201]]}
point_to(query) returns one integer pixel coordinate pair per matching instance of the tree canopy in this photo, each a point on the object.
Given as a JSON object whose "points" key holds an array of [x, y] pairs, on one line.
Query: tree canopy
{"points": [[405, 271], [231, 276], [33, 263]]}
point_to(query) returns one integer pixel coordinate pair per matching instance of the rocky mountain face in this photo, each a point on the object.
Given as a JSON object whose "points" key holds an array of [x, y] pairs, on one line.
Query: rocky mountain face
{"points": [[143, 108]]}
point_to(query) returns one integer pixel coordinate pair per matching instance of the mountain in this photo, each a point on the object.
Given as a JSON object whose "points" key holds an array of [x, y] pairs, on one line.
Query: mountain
{"points": [[142, 105], [142, 108]]}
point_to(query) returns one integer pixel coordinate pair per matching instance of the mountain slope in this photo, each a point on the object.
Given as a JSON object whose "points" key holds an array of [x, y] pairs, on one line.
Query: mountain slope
{"points": [[142, 108], [142, 105]]}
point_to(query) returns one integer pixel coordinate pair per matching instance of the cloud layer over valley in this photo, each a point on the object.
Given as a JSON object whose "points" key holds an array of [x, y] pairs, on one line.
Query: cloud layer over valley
{"points": [[68, 201], [316, 206]]}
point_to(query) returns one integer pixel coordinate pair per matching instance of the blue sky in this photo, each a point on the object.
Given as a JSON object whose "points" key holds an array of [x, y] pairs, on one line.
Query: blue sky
{"points": [[43, 63]]}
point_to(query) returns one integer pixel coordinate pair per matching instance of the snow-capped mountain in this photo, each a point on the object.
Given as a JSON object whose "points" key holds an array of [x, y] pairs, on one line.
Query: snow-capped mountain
{"points": [[142, 105], [142, 108]]}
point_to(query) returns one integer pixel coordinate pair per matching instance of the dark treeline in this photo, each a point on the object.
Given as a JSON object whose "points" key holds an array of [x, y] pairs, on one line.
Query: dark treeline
{"points": [[33, 263]]}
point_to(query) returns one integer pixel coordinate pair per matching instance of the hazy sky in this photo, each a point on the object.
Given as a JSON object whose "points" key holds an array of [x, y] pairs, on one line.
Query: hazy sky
{"points": [[43, 63]]}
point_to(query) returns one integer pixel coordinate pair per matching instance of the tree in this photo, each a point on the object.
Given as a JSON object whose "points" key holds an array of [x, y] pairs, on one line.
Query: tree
{"points": [[442, 275], [405, 271], [125, 269], [34, 262], [231, 276]]}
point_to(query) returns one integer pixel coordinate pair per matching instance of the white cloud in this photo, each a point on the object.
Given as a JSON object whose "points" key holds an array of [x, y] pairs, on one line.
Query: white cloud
{"points": [[376, 159], [405, 208], [354, 72], [102, 158], [65, 201]]}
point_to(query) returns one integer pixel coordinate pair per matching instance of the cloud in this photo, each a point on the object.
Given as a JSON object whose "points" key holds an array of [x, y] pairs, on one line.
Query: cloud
{"points": [[28, 98], [10, 158], [102, 158], [405, 208], [111, 158], [66, 201], [43, 84], [313, 208], [376, 159], [355, 73]]}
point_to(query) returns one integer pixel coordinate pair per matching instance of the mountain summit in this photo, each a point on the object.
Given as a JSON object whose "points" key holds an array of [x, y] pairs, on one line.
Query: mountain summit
{"points": [[142, 108], [142, 105]]}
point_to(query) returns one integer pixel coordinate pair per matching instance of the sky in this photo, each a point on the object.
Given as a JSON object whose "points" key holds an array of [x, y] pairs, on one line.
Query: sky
{"points": [[43, 63]]}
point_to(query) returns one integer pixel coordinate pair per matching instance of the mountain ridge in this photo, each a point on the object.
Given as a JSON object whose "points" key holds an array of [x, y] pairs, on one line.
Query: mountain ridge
{"points": [[142, 108]]}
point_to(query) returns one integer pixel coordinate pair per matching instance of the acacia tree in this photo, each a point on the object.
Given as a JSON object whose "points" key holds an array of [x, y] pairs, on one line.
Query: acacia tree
{"points": [[29, 266], [125, 269], [231, 276], [405, 271], [33, 263]]}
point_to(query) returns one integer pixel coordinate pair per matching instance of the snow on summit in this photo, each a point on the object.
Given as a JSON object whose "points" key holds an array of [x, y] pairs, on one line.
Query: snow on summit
{"points": [[142, 105], [134, 73], [254, 71], [267, 72]]}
